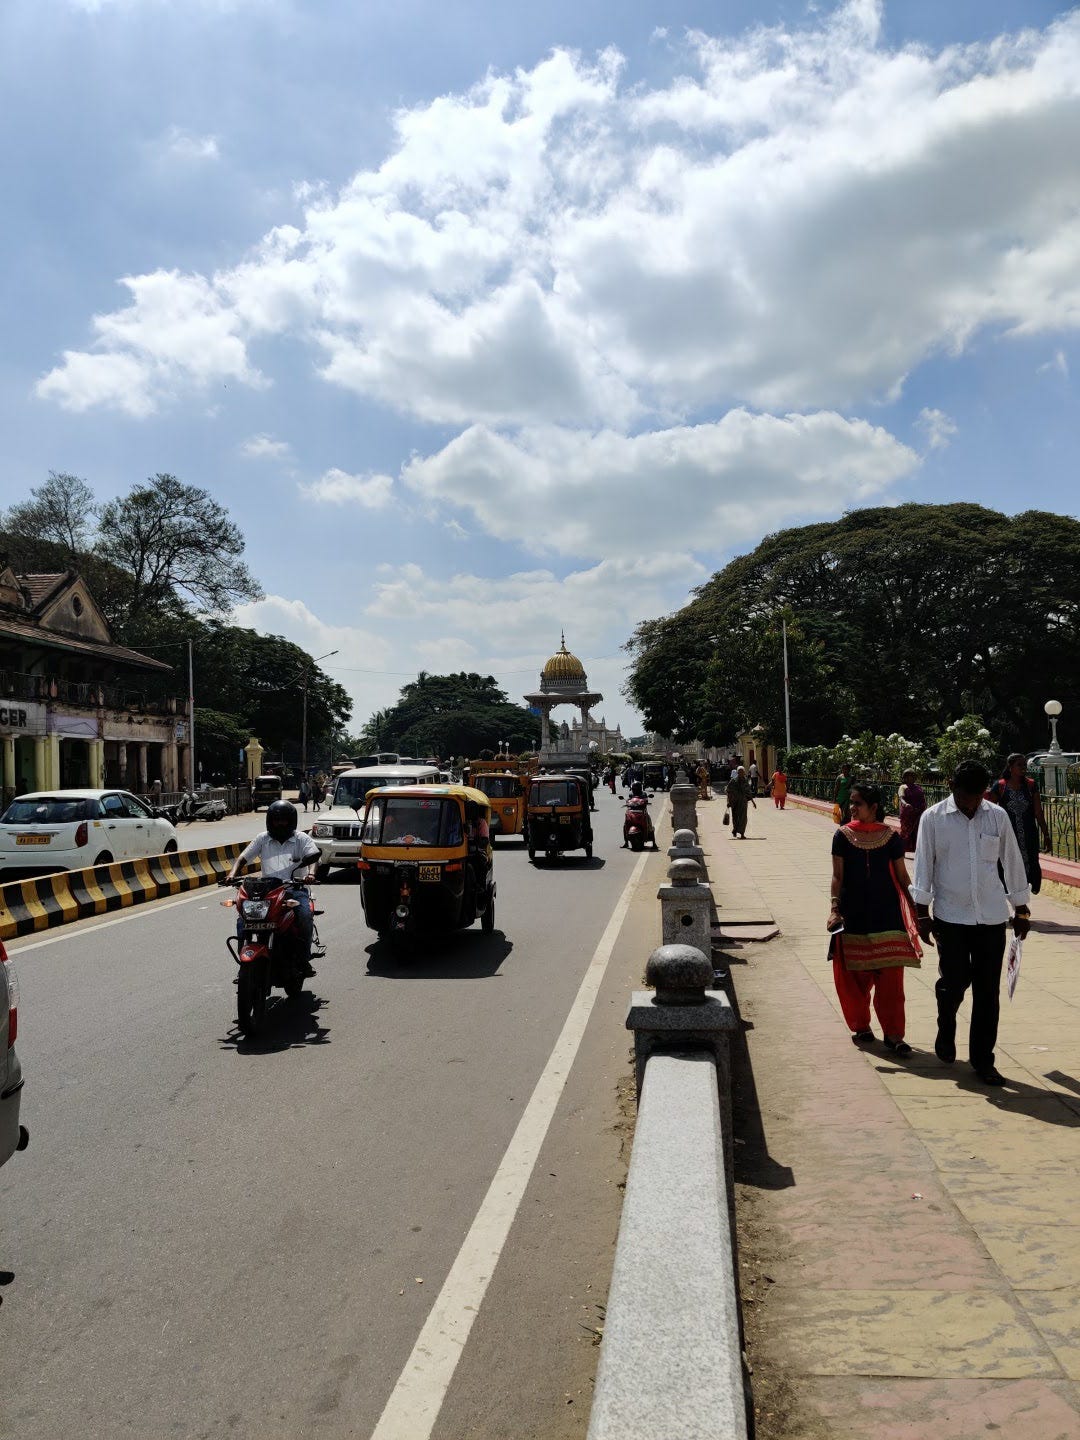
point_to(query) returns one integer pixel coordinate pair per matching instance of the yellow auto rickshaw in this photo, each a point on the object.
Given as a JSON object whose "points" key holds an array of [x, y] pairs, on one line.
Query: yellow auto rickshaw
{"points": [[426, 863], [508, 795], [558, 816]]}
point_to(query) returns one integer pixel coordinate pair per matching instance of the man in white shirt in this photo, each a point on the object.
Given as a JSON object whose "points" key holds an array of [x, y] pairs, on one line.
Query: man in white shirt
{"points": [[964, 848], [281, 849]]}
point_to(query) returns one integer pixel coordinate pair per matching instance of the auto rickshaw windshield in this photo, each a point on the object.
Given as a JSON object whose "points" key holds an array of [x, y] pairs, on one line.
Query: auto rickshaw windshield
{"points": [[413, 820], [554, 792], [498, 787]]}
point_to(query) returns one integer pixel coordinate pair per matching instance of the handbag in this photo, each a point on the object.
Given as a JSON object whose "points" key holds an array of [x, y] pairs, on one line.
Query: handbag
{"points": [[837, 815], [727, 818]]}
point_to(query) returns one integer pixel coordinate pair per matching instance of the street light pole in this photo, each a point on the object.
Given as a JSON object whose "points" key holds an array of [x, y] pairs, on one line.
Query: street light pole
{"points": [[303, 729]]}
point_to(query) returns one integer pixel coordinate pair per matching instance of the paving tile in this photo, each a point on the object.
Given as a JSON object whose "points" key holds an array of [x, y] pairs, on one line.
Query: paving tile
{"points": [[1035, 1257], [911, 1332], [1056, 1314], [1045, 1196], [857, 1408]]}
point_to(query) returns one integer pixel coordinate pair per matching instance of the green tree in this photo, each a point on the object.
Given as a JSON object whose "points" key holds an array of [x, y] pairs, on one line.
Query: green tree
{"points": [[60, 512], [456, 714], [174, 541], [922, 613]]}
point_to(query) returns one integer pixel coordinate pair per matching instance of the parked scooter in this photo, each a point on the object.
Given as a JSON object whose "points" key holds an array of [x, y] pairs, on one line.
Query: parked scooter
{"points": [[192, 807], [638, 828], [271, 951]]}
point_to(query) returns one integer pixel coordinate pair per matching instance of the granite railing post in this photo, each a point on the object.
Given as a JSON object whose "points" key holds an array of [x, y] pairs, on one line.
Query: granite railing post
{"points": [[684, 808]]}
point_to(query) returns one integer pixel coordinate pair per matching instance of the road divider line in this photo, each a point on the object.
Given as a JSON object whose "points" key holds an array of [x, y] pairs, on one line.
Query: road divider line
{"points": [[415, 1402]]}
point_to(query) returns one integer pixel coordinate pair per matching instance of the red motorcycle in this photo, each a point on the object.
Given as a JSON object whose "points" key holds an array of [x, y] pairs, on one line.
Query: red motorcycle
{"points": [[271, 950], [637, 827]]}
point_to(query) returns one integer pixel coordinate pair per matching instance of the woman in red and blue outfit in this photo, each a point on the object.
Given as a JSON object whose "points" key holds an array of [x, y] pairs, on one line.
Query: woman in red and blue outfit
{"points": [[873, 916]]}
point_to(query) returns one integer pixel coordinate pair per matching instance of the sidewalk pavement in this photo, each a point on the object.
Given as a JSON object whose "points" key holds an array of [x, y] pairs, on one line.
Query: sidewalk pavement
{"points": [[909, 1238]]}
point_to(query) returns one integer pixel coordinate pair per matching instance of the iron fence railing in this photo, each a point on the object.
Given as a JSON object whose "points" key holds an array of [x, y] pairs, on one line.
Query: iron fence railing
{"points": [[1062, 811], [82, 694]]}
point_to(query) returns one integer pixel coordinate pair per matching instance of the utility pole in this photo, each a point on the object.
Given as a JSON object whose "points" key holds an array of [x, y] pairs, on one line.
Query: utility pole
{"points": [[303, 731], [787, 686], [191, 715]]}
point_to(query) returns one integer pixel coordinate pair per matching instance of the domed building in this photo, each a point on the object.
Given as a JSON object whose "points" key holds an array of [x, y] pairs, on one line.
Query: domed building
{"points": [[563, 681]]}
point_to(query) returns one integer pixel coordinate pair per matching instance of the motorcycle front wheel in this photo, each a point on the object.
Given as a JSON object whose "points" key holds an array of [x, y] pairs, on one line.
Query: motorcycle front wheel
{"points": [[252, 993]]}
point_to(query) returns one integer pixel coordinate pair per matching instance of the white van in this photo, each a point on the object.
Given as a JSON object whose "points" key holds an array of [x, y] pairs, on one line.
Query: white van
{"points": [[336, 830]]}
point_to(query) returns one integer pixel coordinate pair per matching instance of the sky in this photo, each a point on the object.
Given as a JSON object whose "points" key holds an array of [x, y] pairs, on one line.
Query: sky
{"points": [[487, 322]]}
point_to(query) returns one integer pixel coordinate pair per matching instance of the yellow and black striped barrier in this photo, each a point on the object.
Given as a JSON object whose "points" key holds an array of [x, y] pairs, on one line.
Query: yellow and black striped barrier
{"points": [[27, 906]]}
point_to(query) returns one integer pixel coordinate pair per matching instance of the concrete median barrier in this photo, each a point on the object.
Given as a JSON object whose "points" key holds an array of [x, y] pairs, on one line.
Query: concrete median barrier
{"points": [[27, 906]]}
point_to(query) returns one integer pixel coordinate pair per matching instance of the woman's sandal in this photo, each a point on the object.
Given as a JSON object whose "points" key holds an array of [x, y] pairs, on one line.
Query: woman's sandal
{"points": [[898, 1047], [863, 1037]]}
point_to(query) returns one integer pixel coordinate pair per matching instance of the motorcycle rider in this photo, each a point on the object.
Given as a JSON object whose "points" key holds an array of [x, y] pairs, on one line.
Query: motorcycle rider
{"points": [[637, 813], [282, 849]]}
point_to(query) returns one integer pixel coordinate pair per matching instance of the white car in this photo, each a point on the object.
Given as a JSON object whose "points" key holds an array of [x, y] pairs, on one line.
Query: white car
{"points": [[336, 830], [71, 829], [13, 1136]]}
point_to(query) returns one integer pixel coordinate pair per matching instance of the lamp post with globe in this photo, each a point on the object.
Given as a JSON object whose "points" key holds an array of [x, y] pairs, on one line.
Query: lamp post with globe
{"points": [[1054, 764]]}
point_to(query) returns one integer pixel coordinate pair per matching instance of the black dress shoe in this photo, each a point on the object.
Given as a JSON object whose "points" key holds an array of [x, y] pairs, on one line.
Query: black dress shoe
{"points": [[945, 1046], [990, 1075]]}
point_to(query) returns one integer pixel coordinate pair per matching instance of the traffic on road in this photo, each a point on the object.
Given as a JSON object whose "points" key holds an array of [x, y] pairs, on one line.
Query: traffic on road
{"points": [[230, 1223]]}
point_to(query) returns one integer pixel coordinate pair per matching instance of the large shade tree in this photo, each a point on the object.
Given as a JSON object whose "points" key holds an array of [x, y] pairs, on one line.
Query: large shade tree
{"points": [[901, 619], [446, 715]]}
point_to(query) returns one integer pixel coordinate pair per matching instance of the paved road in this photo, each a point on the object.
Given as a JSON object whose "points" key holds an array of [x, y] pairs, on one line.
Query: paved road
{"points": [[216, 1238]]}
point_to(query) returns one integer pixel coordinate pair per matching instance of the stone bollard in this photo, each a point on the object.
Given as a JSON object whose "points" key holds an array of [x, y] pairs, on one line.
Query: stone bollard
{"points": [[686, 907], [684, 846], [684, 807], [684, 1013]]}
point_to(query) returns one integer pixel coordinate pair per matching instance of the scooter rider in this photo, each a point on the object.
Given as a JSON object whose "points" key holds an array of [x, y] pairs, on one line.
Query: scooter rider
{"points": [[639, 803], [282, 849]]}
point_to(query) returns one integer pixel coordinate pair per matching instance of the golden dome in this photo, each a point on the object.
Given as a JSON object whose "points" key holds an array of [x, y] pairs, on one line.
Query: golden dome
{"points": [[564, 668]]}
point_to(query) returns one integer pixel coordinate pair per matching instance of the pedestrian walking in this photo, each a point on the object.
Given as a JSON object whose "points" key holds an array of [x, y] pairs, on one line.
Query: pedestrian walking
{"points": [[753, 775], [872, 917], [1018, 795], [778, 788], [912, 800], [739, 799], [702, 774], [842, 791], [318, 795], [303, 795], [962, 843]]}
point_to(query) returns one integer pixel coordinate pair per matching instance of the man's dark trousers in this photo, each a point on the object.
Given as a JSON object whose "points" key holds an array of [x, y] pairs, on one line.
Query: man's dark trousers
{"points": [[970, 955]]}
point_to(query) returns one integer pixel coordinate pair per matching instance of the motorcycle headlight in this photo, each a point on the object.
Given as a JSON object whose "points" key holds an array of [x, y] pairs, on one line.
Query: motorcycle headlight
{"points": [[255, 909], [323, 832]]}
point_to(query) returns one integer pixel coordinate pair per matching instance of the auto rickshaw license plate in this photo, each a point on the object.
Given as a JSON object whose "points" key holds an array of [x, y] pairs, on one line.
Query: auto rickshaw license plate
{"points": [[565, 819], [430, 872]]}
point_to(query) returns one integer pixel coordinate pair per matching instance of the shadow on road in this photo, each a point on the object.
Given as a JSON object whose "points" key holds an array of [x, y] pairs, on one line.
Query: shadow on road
{"points": [[569, 862], [463, 955], [6, 1277], [1047, 1106], [289, 1024]]}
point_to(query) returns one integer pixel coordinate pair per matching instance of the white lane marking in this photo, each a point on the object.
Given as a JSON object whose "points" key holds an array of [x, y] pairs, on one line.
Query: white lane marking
{"points": [[85, 927], [414, 1404]]}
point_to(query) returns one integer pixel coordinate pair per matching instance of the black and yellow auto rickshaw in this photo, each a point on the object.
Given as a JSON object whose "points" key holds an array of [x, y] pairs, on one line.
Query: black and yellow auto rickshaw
{"points": [[265, 790], [507, 794], [426, 864], [558, 816]]}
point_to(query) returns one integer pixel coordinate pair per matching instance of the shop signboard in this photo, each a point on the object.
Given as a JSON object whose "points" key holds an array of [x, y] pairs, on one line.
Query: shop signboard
{"points": [[22, 717]]}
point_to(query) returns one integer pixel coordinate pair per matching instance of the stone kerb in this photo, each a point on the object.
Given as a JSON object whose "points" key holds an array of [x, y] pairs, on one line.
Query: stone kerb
{"points": [[684, 808], [686, 907]]}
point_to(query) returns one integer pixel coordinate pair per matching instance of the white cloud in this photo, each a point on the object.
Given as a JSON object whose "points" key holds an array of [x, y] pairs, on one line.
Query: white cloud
{"points": [[265, 447], [506, 626], [337, 487], [938, 427], [560, 246], [705, 486], [1059, 365], [180, 144]]}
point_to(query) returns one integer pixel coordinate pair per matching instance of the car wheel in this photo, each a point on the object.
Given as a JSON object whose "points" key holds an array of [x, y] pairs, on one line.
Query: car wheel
{"points": [[104, 858], [487, 919], [532, 853], [588, 852]]}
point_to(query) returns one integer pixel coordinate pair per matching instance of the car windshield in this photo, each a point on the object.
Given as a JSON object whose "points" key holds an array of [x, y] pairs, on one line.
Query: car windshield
{"points": [[50, 810], [351, 789], [499, 787], [413, 820], [554, 792]]}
